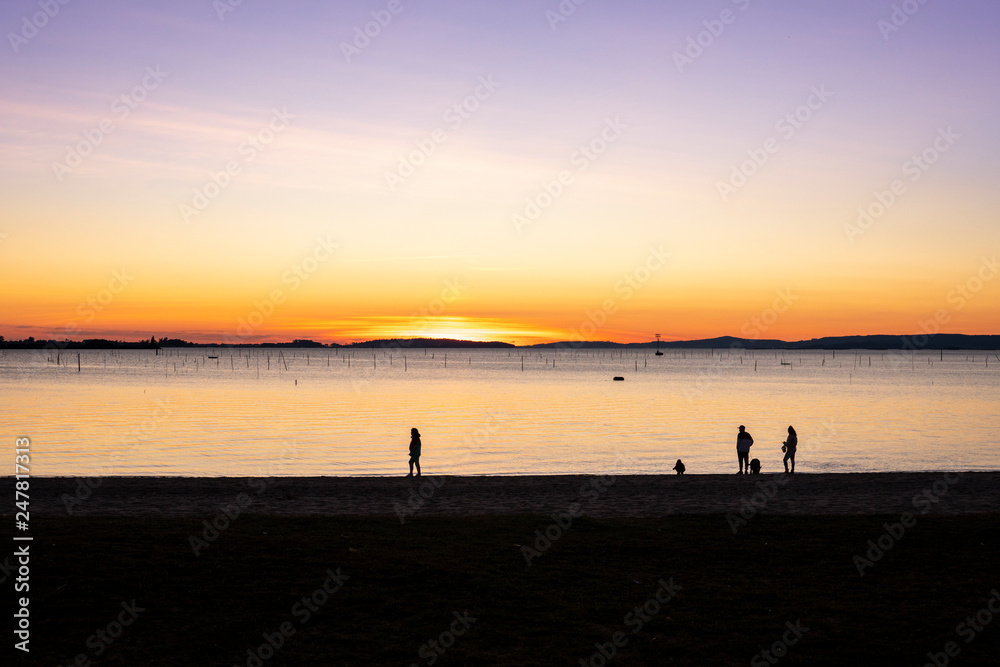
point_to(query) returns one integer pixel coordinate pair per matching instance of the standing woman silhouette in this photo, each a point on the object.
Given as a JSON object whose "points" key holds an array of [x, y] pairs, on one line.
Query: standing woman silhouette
{"points": [[414, 451], [788, 447]]}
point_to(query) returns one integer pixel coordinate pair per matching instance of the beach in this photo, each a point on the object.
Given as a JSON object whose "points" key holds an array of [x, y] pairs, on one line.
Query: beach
{"points": [[596, 496], [568, 570]]}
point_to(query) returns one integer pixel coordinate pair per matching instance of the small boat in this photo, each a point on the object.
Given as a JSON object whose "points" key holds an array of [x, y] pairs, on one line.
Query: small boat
{"points": [[619, 378]]}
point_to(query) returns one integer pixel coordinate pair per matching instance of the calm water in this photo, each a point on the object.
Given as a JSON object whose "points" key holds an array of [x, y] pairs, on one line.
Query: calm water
{"points": [[313, 412]]}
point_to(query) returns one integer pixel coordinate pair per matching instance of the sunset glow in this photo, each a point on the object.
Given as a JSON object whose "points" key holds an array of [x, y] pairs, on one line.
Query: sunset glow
{"points": [[482, 173]]}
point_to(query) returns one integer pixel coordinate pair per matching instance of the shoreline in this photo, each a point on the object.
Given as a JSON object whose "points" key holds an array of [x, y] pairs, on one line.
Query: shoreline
{"points": [[947, 493]]}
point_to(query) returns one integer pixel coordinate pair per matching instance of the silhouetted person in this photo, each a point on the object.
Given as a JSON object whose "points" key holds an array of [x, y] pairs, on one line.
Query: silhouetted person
{"points": [[414, 451], [743, 444], [788, 447], [679, 467]]}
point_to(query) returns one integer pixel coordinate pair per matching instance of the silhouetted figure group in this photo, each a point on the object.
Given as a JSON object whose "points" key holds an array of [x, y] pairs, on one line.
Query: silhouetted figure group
{"points": [[744, 441]]}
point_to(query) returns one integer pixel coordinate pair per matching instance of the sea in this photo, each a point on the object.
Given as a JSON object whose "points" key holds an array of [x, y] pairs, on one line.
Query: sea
{"points": [[507, 411]]}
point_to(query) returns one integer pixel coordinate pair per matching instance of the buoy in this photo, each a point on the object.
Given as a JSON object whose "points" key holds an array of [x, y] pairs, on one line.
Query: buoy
{"points": [[619, 378]]}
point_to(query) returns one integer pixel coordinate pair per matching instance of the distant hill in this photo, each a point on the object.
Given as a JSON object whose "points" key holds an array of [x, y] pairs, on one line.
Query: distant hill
{"points": [[876, 342]]}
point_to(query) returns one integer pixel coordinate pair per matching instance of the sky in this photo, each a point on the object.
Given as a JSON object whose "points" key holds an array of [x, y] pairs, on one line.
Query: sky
{"points": [[518, 171]]}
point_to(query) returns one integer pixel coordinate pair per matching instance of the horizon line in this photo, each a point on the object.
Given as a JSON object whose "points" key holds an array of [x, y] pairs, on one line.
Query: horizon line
{"points": [[167, 341]]}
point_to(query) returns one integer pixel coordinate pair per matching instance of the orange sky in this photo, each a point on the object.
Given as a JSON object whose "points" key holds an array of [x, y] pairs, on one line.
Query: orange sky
{"points": [[480, 176]]}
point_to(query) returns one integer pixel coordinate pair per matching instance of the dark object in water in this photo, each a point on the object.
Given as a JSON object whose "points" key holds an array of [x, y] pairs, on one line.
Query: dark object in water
{"points": [[619, 378]]}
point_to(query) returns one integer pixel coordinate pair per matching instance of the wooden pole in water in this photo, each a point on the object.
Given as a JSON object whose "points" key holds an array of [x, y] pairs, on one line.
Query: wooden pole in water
{"points": [[78, 362]]}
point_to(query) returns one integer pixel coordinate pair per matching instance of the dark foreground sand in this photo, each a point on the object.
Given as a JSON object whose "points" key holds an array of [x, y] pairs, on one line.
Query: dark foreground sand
{"points": [[612, 496], [830, 557]]}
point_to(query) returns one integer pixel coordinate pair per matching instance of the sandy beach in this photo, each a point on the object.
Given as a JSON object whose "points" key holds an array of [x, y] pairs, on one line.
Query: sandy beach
{"points": [[543, 589], [595, 496]]}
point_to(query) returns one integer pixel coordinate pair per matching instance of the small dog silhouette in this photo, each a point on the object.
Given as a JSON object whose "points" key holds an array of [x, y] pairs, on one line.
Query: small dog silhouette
{"points": [[755, 467]]}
